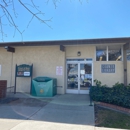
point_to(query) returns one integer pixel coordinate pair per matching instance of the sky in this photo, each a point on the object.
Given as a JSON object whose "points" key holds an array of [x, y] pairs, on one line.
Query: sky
{"points": [[70, 20]]}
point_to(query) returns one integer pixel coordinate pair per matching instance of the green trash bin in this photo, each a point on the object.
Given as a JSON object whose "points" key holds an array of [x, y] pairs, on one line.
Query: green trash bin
{"points": [[44, 87]]}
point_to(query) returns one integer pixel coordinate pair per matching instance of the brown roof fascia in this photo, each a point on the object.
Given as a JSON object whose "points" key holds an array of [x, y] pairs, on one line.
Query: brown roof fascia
{"points": [[67, 42]]}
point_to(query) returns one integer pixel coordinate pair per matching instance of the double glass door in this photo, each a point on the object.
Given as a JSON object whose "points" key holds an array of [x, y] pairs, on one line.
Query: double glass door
{"points": [[79, 77]]}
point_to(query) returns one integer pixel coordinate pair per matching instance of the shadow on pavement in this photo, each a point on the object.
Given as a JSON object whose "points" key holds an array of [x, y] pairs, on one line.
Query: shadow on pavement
{"points": [[68, 108]]}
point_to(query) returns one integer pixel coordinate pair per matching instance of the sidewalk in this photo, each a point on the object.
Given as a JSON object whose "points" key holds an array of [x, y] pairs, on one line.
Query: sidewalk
{"points": [[62, 112], [68, 108]]}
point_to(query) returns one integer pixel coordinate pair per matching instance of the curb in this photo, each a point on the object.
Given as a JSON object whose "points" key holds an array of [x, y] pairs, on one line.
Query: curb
{"points": [[113, 107]]}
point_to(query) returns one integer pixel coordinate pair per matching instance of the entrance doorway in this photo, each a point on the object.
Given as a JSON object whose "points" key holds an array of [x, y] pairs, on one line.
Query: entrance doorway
{"points": [[79, 76]]}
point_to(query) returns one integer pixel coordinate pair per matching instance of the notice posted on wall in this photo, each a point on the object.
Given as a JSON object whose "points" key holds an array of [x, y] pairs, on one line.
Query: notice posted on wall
{"points": [[0, 70], [59, 70]]}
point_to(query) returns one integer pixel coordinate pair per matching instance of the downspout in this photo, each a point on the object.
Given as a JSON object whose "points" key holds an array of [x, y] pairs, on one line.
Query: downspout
{"points": [[125, 47], [11, 72]]}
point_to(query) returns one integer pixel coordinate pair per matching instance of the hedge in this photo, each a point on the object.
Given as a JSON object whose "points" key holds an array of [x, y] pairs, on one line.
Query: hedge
{"points": [[117, 95]]}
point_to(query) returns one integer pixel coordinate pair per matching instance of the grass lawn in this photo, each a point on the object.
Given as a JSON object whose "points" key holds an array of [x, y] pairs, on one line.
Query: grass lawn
{"points": [[111, 119]]}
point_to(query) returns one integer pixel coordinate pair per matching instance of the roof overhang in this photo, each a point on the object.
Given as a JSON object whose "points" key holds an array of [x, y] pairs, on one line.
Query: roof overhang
{"points": [[68, 42]]}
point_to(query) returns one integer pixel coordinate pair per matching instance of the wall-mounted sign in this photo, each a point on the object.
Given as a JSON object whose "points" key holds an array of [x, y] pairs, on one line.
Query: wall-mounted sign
{"points": [[59, 70], [23, 70], [108, 68]]}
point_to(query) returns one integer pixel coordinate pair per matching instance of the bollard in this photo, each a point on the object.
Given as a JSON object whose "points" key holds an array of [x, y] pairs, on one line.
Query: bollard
{"points": [[90, 101]]}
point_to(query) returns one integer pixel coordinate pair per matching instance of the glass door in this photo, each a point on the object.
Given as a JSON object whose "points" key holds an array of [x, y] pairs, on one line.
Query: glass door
{"points": [[72, 77], [85, 77], [79, 77]]}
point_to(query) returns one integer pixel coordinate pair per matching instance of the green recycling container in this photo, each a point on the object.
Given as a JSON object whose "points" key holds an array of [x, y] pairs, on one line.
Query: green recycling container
{"points": [[44, 87]]}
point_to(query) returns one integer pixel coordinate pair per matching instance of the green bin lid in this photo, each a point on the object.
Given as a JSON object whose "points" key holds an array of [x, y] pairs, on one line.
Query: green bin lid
{"points": [[42, 79]]}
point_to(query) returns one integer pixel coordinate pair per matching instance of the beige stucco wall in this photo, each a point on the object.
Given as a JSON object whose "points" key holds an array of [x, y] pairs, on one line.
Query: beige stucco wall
{"points": [[44, 60], [5, 62], [128, 72], [109, 78], [87, 51]]}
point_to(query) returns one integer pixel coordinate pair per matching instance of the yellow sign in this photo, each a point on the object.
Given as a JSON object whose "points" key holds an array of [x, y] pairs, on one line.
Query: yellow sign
{"points": [[41, 91]]}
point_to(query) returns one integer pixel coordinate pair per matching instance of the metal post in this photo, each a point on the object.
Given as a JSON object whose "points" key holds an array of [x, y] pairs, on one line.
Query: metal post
{"points": [[15, 79], [90, 102], [31, 72], [125, 67]]}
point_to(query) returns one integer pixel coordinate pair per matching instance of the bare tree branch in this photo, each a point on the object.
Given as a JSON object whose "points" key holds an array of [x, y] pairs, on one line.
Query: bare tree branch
{"points": [[36, 7], [5, 2], [9, 17], [1, 30], [34, 14], [14, 9], [6, 5]]}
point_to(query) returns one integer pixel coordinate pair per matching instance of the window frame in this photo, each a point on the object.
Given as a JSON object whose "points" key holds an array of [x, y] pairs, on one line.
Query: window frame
{"points": [[107, 54], [96, 53], [126, 56]]}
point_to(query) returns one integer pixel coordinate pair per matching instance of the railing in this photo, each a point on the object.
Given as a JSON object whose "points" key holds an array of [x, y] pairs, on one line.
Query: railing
{"points": [[10, 89]]}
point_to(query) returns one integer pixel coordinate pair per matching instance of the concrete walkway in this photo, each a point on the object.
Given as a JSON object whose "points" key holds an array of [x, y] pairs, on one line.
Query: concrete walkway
{"points": [[68, 108], [62, 112]]}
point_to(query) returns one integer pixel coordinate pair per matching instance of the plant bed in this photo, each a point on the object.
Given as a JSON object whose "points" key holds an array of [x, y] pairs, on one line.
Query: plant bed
{"points": [[111, 119], [116, 95], [113, 107]]}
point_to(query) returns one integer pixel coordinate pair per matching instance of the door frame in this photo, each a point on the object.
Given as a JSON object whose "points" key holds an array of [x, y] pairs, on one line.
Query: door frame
{"points": [[78, 91]]}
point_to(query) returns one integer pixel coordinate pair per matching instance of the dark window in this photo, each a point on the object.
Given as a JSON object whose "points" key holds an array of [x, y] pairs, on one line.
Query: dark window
{"points": [[101, 53], [114, 53], [128, 55]]}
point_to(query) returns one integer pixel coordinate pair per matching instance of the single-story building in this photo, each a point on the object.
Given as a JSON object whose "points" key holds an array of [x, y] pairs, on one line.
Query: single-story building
{"points": [[74, 63]]}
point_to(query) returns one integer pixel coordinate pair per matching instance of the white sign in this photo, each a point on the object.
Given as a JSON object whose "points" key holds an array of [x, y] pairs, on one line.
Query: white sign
{"points": [[26, 73], [0, 70], [82, 71], [59, 70]]}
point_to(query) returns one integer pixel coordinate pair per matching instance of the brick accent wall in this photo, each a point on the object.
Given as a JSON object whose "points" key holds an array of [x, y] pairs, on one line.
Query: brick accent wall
{"points": [[3, 87]]}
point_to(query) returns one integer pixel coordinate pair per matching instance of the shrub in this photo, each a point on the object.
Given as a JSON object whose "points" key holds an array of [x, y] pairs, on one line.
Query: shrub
{"points": [[118, 94]]}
